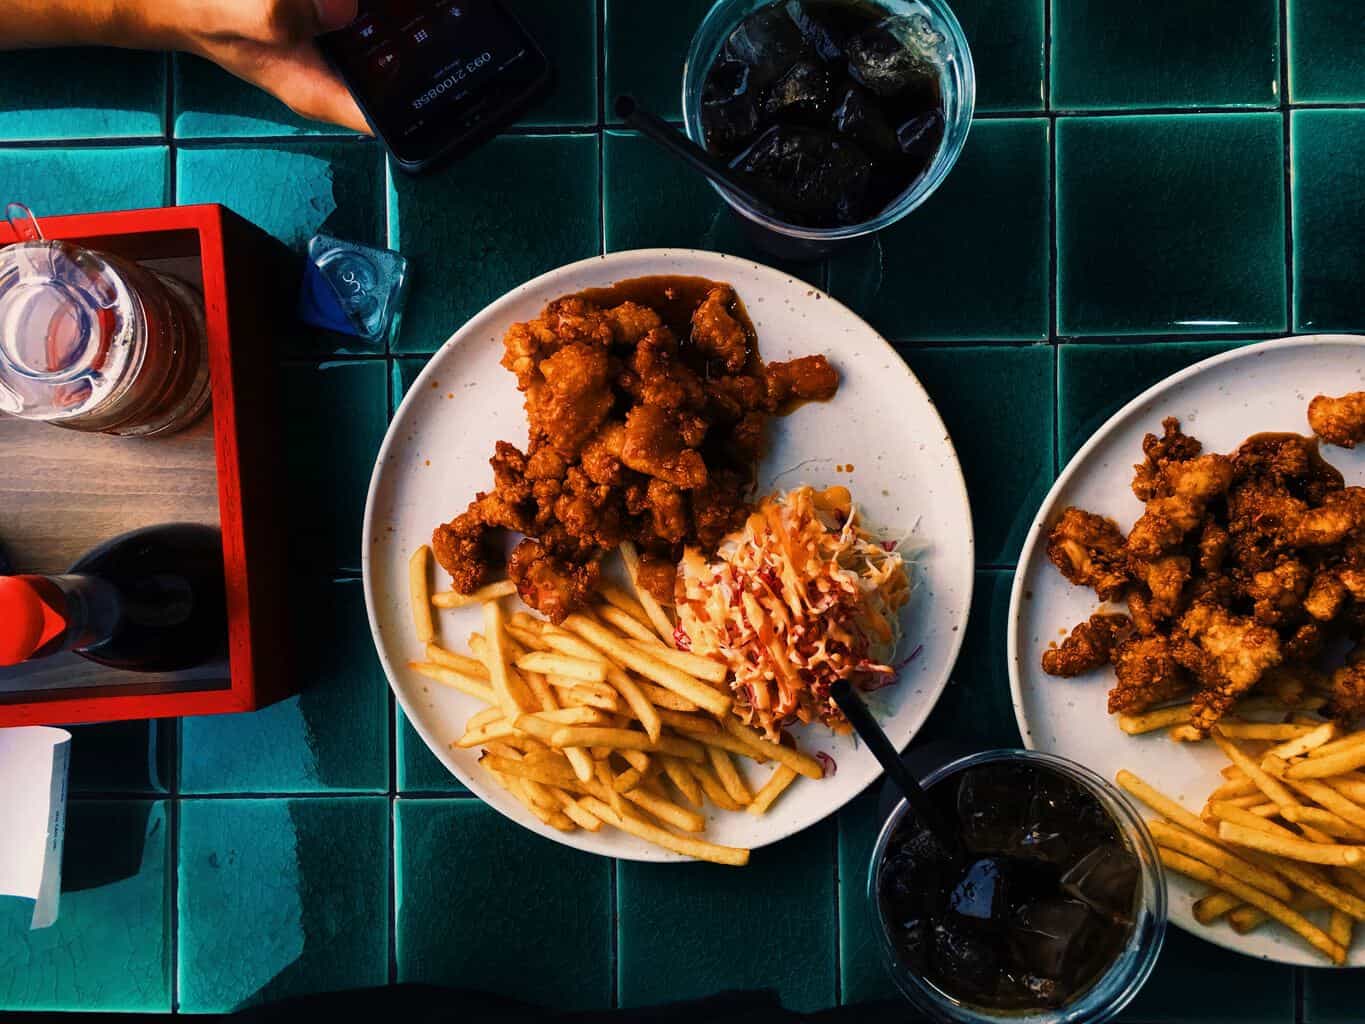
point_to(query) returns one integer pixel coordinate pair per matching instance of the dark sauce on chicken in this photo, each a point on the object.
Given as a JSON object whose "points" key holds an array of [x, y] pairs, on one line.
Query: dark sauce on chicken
{"points": [[831, 109], [1043, 904]]}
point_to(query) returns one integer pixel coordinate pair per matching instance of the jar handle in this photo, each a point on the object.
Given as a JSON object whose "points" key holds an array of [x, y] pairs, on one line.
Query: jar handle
{"points": [[24, 223]]}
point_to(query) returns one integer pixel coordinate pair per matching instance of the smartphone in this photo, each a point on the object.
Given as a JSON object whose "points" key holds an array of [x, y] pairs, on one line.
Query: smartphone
{"points": [[436, 77]]}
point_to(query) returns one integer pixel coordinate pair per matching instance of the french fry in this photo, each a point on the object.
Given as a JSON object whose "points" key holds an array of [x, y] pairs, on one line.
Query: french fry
{"points": [[455, 680], [782, 777], [1340, 927], [683, 779], [496, 660], [729, 777], [491, 592], [529, 639], [627, 780], [1235, 789], [618, 598], [1164, 805], [802, 764], [1350, 742], [1176, 838], [607, 785], [461, 663], [664, 699], [1273, 789], [1291, 849], [1324, 821], [629, 625], [562, 665], [1262, 730], [688, 847], [548, 774], [576, 812], [1344, 760], [540, 794], [1151, 721], [419, 594], [1351, 789], [692, 664], [625, 739], [1309, 741], [637, 759], [482, 718], [1332, 799], [681, 721], [650, 718], [1245, 919], [1185, 734], [478, 737], [651, 668], [725, 741], [1277, 909], [656, 614], [1210, 908], [666, 810], [590, 698], [712, 787]]}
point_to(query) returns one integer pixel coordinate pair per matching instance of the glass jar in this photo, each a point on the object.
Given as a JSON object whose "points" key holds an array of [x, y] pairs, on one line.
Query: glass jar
{"points": [[957, 83], [94, 342], [1111, 991]]}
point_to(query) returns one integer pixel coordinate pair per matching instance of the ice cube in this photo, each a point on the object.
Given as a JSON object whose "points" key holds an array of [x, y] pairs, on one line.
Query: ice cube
{"points": [[808, 172], [1049, 936], [1105, 879], [803, 92], [821, 32], [992, 806], [964, 951], [982, 892], [913, 874], [729, 108], [769, 42], [859, 116], [921, 135], [895, 54]]}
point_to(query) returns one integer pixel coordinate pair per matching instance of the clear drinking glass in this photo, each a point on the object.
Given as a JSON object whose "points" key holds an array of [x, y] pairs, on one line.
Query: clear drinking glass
{"points": [[94, 342], [958, 85], [1114, 989]]}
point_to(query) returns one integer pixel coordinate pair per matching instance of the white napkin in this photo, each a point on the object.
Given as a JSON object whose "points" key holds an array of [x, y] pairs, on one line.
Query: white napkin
{"points": [[33, 770]]}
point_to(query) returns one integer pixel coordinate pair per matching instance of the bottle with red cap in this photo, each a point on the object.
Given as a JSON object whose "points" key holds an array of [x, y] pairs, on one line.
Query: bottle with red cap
{"points": [[148, 601]]}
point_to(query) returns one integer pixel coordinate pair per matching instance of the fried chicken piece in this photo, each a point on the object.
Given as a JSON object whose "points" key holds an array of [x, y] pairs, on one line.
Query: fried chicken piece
{"points": [[1239, 652], [808, 379], [730, 398], [659, 378], [658, 575], [552, 584], [630, 321], [1165, 579], [749, 438], [463, 548], [1184, 491], [1172, 446], [1140, 610], [716, 331], [590, 513], [1147, 674], [668, 511], [1258, 514], [1278, 593], [1088, 550], [1289, 684], [1342, 513], [571, 399], [719, 506], [601, 456], [1087, 646], [1348, 688], [1325, 597], [1304, 644], [1213, 546], [652, 446], [1339, 421]]}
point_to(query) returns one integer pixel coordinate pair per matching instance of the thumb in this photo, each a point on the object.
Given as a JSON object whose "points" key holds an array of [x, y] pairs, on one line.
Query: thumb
{"points": [[335, 14]]}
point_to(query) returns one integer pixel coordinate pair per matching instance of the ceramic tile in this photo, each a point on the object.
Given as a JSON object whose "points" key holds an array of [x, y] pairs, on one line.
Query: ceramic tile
{"points": [[1331, 997], [334, 415], [1170, 223], [123, 757], [1096, 381], [211, 103], [81, 93], [458, 858], [292, 190], [567, 31], [998, 406], [59, 181], [333, 736], [645, 48], [862, 975], [655, 201], [279, 898], [1328, 155], [1006, 40], [972, 263], [109, 949], [721, 929], [1173, 53], [511, 210], [403, 373], [419, 771], [1326, 38], [1195, 980]]}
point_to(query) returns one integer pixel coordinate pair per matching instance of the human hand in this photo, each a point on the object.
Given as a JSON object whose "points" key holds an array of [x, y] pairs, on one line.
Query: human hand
{"points": [[268, 43]]}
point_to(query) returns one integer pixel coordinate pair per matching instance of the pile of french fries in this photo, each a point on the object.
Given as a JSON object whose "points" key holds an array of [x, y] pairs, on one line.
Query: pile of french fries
{"points": [[1175, 719], [1283, 837], [601, 720]]}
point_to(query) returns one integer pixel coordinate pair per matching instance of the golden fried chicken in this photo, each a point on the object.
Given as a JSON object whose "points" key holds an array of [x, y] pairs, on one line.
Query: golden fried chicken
{"points": [[1239, 652], [1087, 646], [1213, 546], [1183, 491], [1278, 593], [1341, 514], [1339, 421], [1147, 674], [1165, 578], [1348, 687], [553, 584], [1088, 550], [655, 447], [717, 333], [808, 379], [1172, 446], [1325, 596]]}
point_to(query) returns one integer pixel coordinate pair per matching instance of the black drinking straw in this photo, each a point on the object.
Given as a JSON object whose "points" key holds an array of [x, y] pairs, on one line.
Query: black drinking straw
{"points": [[657, 129], [922, 806]]}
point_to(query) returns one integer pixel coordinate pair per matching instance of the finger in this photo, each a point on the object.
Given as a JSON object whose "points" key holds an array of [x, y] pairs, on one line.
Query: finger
{"points": [[304, 82]]}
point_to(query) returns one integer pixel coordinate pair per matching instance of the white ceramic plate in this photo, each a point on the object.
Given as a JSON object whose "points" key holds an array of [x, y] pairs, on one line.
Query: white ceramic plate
{"points": [[1221, 401], [882, 424]]}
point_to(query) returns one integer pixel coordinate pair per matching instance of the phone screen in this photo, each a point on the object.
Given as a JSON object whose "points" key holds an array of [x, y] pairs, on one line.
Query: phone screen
{"points": [[430, 73]]}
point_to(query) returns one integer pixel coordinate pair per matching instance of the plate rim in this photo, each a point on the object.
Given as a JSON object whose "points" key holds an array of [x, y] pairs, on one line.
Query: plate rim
{"points": [[953, 640], [1035, 536]]}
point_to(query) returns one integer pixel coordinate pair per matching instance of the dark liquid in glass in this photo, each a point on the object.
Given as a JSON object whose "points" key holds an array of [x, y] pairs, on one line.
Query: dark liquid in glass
{"points": [[831, 109], [1044, 903]]}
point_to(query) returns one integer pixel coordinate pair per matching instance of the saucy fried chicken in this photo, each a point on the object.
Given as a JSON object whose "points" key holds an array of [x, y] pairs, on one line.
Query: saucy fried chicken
{"points": [[1087, 646], [1088, 550], [1147, 674], [647, 406], [1339, 421]]}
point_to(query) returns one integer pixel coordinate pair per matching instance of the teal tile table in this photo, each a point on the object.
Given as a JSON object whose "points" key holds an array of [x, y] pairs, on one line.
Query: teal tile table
{"points": [[1144, 186]]}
